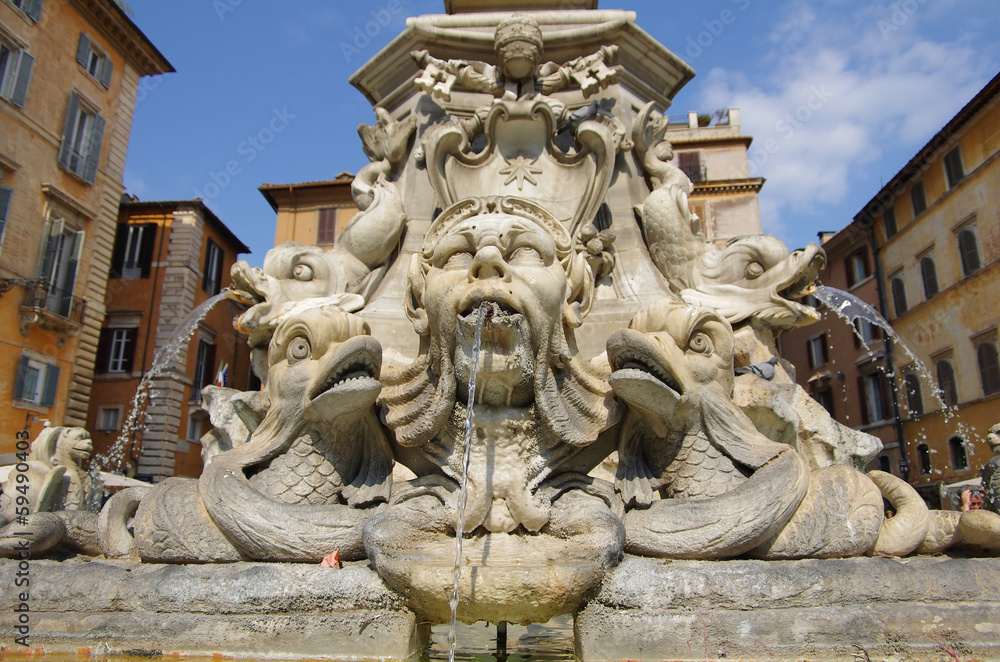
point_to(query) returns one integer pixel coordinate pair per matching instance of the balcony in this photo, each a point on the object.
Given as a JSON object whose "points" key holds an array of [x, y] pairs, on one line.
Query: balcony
{"points": [[695, 171], [50, 308]]}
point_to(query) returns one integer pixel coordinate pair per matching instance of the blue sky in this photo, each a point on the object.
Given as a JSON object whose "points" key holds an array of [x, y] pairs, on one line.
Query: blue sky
{"points": [[843, 93]]}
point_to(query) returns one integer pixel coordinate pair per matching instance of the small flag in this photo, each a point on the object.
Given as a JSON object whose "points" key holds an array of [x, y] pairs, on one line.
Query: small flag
{"points": [[222, 377]]}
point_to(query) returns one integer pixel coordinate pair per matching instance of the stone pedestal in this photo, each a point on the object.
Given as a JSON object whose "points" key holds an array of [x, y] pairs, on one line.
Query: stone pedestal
{"points": [[890, 609], [255, 610]]}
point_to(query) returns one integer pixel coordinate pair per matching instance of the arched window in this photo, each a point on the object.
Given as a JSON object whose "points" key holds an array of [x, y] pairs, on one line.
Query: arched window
{"points": [[899, 295], [989, 367], [968, 250], [914, 398], [959, 458], [884, 464], [946, 383], [929, 273], [924, 453]]}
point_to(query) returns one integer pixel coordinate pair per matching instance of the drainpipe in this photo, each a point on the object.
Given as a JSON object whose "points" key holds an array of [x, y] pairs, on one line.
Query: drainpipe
{"points": [[904, 463]]}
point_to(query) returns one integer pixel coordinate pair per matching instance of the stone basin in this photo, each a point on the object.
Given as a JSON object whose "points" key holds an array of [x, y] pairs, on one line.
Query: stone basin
{"points": [[515, 578]]}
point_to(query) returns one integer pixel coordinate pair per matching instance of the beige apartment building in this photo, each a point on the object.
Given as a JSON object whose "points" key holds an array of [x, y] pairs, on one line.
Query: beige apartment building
{"points": [[69, 73], [933, 237]]}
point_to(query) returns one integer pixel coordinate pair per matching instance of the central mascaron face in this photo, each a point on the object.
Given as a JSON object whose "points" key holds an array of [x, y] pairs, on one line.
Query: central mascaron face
{"points": [[509, 264]]}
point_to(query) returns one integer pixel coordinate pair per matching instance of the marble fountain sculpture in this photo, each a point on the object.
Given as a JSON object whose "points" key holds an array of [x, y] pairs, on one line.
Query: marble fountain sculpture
{"points": [[523, 221]]}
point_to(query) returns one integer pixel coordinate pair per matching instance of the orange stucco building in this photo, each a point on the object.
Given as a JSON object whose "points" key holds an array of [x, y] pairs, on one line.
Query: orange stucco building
{"points": [[69, 74], [169, 258]]}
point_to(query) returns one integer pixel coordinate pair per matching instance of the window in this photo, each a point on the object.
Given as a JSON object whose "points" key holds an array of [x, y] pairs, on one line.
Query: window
{"points": [[865, 332], [81, 141], [33, 8], [924, 454], [884, 464], [194, 429], [914, 398], [889, 220], [959, 458], [968, 250], [857, 267], [817, 351], [928, 272], [327, 230], [36, 382], [59, 265], [204, 364], [690, 163], [946, 383], [212, 279], [918, 198], [133, 256], [5, 196], [108, 418], [953, 169], [875, 405], [15, 73], [899, 295], [989, 367], [825, 398], [96, 63], [116, 350]]}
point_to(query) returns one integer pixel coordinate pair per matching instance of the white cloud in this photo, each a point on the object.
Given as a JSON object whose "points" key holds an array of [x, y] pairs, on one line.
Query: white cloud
{"points": [[839, 89]]}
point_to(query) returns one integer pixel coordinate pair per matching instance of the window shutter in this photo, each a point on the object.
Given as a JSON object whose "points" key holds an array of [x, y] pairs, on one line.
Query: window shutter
{"points": [[205, 274], [209, 375], [75, 251], [23, 78], [883, 392], [146, 249], [33, 8], [102, 363], [132, 336], [83, 50], [5, 196], [65, 150], [118, 256], [106, 68], [969, 251], [22, 370], [94, 150], [51, 384], [52, 250], [863, 397]]}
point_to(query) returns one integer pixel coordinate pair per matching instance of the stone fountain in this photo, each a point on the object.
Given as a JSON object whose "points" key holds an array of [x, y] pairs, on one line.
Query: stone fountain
{"points": [[631, 450]]}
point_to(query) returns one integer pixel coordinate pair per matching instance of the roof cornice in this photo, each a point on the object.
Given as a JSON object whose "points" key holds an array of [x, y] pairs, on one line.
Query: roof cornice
{"points": [[119, 29]]}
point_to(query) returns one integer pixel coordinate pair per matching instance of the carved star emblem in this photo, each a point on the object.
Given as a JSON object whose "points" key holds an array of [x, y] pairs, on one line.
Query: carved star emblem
{"points": [[520, 169]]}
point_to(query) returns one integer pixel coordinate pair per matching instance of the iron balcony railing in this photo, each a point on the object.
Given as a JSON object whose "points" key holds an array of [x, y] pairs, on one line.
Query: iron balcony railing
{"points": [[39, 293], [695, 171]]}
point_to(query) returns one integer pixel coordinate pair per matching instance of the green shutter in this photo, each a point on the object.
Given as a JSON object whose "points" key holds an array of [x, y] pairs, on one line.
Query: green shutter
{"points": [[83, 50], [93, 150], [23, 78], [33, 8], [22, 370], [106, 68], [66, 149], [51, 385], [5, 196]]}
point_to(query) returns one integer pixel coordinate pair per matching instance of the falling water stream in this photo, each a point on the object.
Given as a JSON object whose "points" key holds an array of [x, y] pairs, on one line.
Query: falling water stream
{"points": [[112, 459], [464, 491], [850, 308]]}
